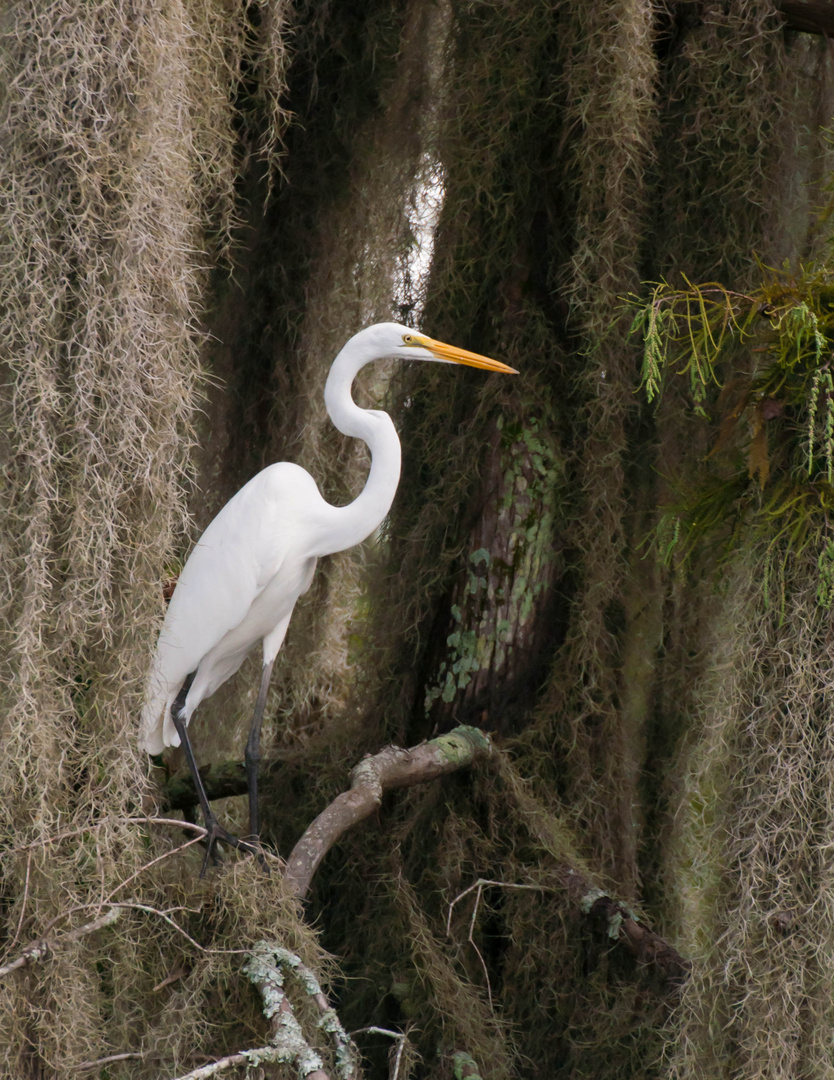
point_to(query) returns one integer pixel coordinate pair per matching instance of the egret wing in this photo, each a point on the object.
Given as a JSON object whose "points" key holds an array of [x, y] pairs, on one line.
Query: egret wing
{"points": [[235, 559]]}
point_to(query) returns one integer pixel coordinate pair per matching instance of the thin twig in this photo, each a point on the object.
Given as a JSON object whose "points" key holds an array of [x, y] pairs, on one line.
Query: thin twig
{"points": [[264, 853], [624, 925], [478, 894], [215, 1067], [44, 946], [372, 1030], [153, 862], [479, 884], [166, 918], [129, 1056], [41, 948], [478, 888], [179, 823], [400, 1036]]}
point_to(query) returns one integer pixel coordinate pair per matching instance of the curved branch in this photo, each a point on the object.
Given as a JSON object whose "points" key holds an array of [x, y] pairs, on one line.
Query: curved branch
{"points": [[389, 769]]}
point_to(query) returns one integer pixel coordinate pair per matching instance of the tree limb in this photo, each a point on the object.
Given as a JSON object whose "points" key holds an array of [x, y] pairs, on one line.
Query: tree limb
{"points": [[266, 968], [621, 925], [389, 769]]}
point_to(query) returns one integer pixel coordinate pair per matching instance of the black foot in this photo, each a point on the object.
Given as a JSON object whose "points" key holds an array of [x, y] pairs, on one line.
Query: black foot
{"points": [[216, 833]]}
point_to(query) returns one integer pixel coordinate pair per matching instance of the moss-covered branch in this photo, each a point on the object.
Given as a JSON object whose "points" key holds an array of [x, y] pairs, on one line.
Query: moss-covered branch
{"points": [[648, 948], [267, 967]]}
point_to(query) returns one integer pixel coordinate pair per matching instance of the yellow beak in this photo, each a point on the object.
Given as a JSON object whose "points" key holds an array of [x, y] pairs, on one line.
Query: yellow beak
{"points": [[461, 356]]}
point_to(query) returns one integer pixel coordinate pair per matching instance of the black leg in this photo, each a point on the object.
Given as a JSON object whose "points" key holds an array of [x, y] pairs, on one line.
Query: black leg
{"points": [[252, 756], [214, 830]]}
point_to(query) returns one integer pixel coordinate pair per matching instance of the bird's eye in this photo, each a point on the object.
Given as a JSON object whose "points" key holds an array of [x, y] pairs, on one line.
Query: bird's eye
{"points": [[408, 339]]}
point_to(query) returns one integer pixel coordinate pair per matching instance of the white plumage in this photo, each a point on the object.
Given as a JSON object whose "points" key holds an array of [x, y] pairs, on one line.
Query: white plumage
{"points": [[248, 569], [239, 587]]}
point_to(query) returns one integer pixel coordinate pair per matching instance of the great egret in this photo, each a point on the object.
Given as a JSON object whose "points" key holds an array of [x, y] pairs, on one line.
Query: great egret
{"points": [[248, 569]]}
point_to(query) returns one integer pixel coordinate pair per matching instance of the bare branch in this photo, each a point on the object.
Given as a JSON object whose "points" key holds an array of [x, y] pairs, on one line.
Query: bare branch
{"points": [[216, 1067], [390, 768], [401, 1038]]}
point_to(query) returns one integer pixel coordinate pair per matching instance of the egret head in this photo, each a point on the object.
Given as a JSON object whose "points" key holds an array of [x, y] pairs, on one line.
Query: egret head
{"points": [[403, 343]]}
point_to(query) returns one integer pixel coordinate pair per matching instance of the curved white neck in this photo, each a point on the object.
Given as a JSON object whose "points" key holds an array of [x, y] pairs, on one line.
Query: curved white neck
{"points": [[356, 521]]}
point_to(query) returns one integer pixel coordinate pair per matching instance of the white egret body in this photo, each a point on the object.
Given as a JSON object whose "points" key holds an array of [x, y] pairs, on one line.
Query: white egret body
{"points": [[248, 569]]}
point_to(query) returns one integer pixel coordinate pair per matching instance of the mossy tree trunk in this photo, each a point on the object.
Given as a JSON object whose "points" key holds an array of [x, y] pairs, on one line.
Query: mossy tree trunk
{"points": [[200, 203]]}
